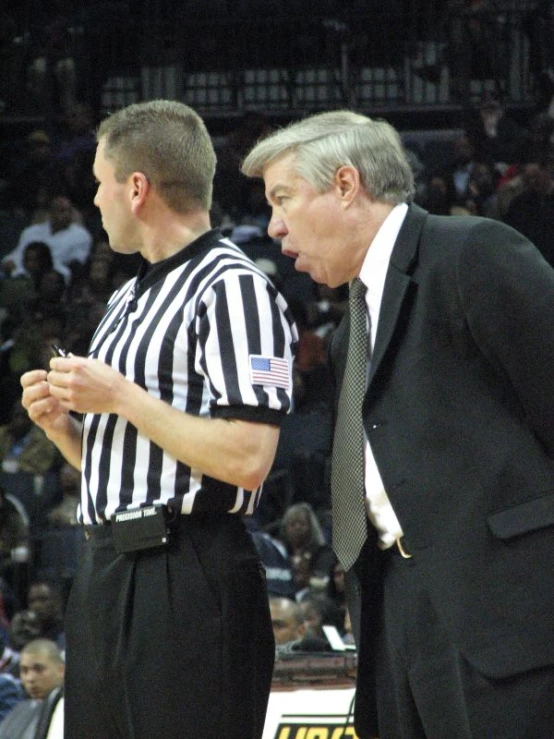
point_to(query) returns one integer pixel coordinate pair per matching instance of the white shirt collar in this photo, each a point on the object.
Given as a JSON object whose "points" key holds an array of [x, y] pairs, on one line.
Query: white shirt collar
{"points": [[376, 262]]}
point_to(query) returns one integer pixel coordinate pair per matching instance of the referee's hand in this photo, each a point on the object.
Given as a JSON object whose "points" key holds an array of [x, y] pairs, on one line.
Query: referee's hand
{"points": [[44, 409], [85, 385]]}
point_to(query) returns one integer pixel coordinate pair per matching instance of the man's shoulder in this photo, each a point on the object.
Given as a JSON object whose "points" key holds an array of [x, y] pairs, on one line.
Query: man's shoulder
{"points": [[36, 232], [77, 229], [18, 717]]}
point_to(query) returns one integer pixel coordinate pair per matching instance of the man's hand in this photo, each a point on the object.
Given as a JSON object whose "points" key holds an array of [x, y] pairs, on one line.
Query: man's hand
{"points": [[84, 385], [43, 408]]}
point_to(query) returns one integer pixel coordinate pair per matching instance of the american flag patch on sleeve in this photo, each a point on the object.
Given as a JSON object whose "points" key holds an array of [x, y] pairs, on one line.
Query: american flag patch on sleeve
{"points": [[272, 371]]}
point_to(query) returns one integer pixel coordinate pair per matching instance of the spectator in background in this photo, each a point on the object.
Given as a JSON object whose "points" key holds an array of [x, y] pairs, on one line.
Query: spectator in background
{"points": [[75, 152], [231, 188], [18, 293], [278, 570], [335, 585], [42, 671], [36, 175], [308, 552], [69, 242], [495, 135], [51, 74], [45, 600], [319, 611], [287, 620], [65, 512], [24, 447], [541, 142], [532, 211], [289, 629], [11, 693], [14, 536], [9, 658], [481, 191], [24, 627]]}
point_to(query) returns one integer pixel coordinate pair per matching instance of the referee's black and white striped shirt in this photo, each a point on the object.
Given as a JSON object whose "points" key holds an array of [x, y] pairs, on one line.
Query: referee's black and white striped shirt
{"points": [[207, 332]]}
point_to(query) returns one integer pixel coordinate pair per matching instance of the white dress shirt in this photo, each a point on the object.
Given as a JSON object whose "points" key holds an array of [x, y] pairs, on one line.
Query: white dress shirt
{"points": [[373, 274], [73, 243]]}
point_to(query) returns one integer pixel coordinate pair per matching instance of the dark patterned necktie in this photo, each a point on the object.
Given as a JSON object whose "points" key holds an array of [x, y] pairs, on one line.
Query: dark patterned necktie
{"points": [[347, 472]]}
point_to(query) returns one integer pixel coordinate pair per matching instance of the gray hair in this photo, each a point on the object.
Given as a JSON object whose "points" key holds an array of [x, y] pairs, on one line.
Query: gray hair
{"points": [[317, 535], [323, 143]]}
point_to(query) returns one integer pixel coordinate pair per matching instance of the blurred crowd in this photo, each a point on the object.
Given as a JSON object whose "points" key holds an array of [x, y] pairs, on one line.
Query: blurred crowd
{"points": [[57, 272]]}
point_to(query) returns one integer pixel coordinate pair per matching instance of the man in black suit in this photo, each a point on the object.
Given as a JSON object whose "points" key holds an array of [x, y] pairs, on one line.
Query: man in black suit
{"points": [[453, 560]]}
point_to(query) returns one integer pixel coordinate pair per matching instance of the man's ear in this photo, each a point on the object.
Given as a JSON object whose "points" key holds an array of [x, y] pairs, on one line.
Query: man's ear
{"points": [[347, 184], [139, 188]]}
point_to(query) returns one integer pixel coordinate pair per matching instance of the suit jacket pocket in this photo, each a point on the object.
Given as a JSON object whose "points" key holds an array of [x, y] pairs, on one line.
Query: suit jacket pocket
{"points": [[530, 515]]}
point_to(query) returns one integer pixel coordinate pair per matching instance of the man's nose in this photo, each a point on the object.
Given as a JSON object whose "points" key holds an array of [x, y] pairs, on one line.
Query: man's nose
{"points": [[276, 228]]}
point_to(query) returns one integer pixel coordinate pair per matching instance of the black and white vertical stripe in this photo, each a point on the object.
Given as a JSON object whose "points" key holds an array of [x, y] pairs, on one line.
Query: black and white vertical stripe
{"points": [[184, 331]]}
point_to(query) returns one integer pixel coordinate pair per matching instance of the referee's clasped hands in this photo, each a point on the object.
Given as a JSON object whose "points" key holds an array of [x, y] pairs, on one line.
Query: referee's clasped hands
{"points": [[84, 384]]}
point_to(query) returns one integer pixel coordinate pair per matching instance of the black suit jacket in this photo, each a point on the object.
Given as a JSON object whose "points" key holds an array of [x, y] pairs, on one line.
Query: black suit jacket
{"points": [[459, 411]]}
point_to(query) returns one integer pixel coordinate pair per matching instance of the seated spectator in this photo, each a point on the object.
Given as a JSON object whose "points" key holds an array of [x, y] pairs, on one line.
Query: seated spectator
{"points": [[45, 325], [51, 718], [289, 629], [11, 693], [65, 512], [24, 628], [9, 658], [532, 211], [42, 671], [22, 449], [278, 570], [335, 586], [481, 191], [495, 135], [18, 293], [69, 242], [36, 173], [308, 552], [51, 72], [541, 143], [14, 542], [318, 611], [45, 600]]}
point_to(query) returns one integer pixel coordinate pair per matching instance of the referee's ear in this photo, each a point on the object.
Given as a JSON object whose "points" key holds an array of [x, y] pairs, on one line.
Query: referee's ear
{"points": [[139, 187]]}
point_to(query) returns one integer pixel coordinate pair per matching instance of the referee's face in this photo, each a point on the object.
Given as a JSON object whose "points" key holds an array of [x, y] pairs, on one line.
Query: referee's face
{"points": [[113, 199]]}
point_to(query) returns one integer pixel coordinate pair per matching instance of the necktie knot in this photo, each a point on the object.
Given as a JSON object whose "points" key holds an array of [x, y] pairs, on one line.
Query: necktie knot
{"points": [[357, 291]]}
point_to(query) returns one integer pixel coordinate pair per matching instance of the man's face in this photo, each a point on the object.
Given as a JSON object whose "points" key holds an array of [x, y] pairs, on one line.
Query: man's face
{"points": [[285, 626], [310, 225], [113, 200], [61, 214], [39, 674], [43, 602]]}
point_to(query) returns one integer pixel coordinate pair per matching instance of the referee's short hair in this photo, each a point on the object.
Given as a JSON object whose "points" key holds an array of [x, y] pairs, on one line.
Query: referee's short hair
{"points": [[168, 142]]}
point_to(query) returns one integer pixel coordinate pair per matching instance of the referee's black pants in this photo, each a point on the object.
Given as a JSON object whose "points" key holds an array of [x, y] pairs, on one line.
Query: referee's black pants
{"points": [[171, 643]]}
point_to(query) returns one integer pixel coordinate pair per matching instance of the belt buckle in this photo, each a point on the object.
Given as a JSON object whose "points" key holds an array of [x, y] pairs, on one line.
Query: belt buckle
{"points": [[403, 553]]}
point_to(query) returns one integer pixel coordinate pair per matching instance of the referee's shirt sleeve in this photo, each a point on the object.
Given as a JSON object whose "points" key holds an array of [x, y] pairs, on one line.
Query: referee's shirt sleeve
{"points": [[245, 348]]}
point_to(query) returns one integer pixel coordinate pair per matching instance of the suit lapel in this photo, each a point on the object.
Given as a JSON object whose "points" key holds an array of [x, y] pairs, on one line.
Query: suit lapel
{"points": [[399, 277]]}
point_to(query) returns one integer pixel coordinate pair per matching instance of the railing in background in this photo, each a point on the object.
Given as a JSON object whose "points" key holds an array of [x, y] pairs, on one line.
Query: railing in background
{"points": [[224, 57], [289, 65]]}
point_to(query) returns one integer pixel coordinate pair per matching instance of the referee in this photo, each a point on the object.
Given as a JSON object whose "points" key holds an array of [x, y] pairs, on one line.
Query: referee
{"points": [[186, 382]]}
